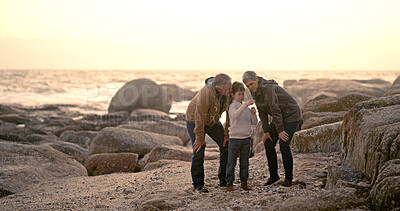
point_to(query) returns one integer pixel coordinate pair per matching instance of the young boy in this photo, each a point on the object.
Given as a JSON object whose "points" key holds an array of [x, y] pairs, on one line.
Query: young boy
{"points": [[241, 119]]}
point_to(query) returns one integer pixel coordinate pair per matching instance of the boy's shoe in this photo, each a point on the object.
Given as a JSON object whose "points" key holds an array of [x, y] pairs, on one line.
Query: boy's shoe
{"points": [[286, 183], [201, 190], [245, 187], [229, 188], [271, 181]]}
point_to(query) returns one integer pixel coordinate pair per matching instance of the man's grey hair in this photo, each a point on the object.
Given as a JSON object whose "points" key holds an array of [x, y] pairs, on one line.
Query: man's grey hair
{"points": [[221, 80], [249, 75]]}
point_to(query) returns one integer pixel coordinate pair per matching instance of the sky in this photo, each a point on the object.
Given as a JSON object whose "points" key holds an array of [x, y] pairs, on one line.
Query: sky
{"points": [[200, 35]]}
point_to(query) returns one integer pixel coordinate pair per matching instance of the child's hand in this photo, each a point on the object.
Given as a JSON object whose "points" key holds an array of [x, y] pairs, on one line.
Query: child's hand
{"points": [[253, 110], [249, 102]]}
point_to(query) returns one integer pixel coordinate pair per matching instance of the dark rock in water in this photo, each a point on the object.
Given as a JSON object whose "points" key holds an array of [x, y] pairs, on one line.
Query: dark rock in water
{"points": [[178, 94], [14, 118], [116, 116], [324, 138], [371, 138], [20, 131], [69, 127], [170, 128], [313, 119], [118, 140], [395, 88], [107, 163], [82, 138], [141, 93], [289, 82], [59, 122], [386, 191], [148, 115], [6, 109], [23, 165], [36, 138], [87, 125], [13, 137], [304, 90], [325, 103]]}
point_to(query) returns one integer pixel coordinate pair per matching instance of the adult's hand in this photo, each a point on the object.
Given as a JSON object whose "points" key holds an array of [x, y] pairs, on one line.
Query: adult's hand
{"points": [[226, 139], [284, 136], [266, 136], [198, 144]]}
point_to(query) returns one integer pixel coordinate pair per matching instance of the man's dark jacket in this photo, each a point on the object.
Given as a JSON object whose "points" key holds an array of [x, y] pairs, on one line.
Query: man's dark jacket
{"points": [[273, 100]]}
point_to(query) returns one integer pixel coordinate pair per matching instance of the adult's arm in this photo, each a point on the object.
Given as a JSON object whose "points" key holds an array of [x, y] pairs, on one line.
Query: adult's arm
{"points": [[202, 107], [273, 102]]}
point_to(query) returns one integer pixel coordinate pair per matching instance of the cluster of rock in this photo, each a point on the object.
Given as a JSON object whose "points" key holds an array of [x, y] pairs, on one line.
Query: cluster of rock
{"points": [[52, 141], [361, 121], [358, 119]]}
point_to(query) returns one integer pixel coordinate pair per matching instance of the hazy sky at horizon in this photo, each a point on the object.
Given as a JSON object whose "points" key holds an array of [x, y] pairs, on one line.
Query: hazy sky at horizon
{"points": [[200, 35]]}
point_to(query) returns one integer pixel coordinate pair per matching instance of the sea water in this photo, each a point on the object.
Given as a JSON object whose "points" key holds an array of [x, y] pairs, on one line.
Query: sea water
{"points": [[92, 90]]}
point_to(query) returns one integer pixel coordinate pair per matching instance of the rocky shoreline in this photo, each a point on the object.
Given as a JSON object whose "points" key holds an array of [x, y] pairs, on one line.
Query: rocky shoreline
{"points": [[347, 155]]}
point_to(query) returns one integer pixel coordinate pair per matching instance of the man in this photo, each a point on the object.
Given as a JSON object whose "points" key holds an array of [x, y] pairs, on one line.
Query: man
{"points": [[273, 100], [202, 115]]}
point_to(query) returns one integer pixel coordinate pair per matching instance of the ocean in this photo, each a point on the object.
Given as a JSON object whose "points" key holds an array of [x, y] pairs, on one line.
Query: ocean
{"points": [[92, 90]]}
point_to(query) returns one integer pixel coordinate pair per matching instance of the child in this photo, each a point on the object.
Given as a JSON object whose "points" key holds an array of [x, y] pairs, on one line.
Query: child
{"points": [[241, 119]]}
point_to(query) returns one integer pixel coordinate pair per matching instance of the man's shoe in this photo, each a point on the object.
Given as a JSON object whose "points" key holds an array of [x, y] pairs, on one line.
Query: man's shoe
{"points": [[222, 185], [271, 181], [286, 183], [245, 187], [201, 190], [229, 188]]}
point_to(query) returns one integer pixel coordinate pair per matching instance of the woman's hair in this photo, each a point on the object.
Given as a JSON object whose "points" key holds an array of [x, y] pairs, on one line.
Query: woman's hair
{"points": [[249, 75], [237, 87], [221, 80]]}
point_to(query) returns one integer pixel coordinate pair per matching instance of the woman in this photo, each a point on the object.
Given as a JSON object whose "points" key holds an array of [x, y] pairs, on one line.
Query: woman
{"points": [[273, 100]]}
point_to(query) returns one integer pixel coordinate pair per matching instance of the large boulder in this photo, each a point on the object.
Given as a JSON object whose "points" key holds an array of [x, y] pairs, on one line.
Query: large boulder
{"points": [[369, 135], [324, 103], [9, 109], [107, 163], [22, 165], [141, 93], [305, 90], [82, 138], [118, 140], [312, 119], [73, 150], [140, 115], [324, 138], [172, 153], [178, 94], [395, 88], [257, 144], [370, 140], [171, 128], [386, 191], [14, 118]]}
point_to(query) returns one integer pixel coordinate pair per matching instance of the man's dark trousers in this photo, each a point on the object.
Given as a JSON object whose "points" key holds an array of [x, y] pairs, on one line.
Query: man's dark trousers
{"points": [[216, 132]]}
